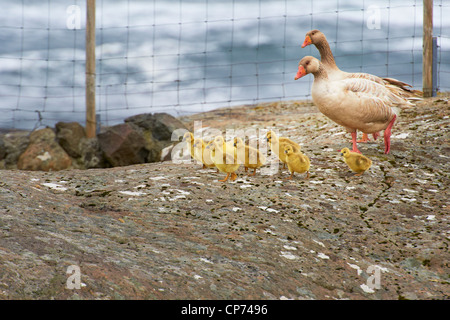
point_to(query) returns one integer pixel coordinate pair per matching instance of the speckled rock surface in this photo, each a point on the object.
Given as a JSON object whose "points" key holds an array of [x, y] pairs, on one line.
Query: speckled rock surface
{"points": [[173, 231]]}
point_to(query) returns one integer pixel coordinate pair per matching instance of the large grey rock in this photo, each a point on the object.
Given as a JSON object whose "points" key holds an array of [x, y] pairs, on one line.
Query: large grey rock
{"points": [[91, 154], [15, 144], [123, 145], [157, 131], [69, 135], [161, 125]]}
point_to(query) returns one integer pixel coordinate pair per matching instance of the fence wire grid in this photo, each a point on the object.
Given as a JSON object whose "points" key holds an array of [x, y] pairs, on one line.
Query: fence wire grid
{"points": [[189, 56]]}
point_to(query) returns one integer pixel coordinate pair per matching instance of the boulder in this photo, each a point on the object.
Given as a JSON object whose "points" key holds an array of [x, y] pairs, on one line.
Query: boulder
{"points": [[160, 124], [44, 153], [15, 143], [123, 145], [91, 154], [157, 131], [42, 135], [69, 135]]}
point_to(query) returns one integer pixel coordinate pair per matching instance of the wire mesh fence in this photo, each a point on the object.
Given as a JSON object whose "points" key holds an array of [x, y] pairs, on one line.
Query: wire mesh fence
{"points": [[188, 56]]}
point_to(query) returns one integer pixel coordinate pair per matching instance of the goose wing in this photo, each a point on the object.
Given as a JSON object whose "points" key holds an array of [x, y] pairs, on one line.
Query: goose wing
{"points": [[374, 94]]}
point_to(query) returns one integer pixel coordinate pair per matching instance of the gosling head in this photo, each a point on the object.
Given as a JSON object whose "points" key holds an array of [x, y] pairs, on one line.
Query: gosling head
{"points": [[345, 152], [218, 142], [210, 145], [238, 143], [188, 136], [288, 149], [197, 143], [271, 135]]}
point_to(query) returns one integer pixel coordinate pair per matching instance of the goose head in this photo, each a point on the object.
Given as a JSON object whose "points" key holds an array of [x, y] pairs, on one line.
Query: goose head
{"points": [[307, 65], [313, 37]]}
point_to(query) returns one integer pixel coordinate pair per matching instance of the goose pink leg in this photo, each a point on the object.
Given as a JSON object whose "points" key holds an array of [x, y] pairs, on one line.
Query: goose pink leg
{"points": [[375, 135], [387, 136], [365, 138], [355, 147]]}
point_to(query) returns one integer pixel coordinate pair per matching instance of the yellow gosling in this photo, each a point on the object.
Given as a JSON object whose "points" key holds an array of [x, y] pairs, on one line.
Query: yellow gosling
{"points": [[356, 161], [250, 157], [296, 161]]}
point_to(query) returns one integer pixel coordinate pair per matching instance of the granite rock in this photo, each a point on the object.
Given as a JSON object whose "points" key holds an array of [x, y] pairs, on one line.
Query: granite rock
{"points": [[123, 145], [69, 136], [44, 153], [171, 230]]}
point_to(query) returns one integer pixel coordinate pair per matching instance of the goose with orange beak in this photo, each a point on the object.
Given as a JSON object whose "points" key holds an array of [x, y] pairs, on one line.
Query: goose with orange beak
{"points": [[307, 41], [301, 72], [318, 39], [354, 103]]}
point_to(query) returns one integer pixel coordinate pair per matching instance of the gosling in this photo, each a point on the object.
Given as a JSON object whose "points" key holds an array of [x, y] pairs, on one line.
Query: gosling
{"points": [[356, 161], [296, 161]]}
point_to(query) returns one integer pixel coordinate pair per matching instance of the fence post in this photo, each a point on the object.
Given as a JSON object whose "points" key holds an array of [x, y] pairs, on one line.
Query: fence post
{"points": [[90, 69], [427, 63]]}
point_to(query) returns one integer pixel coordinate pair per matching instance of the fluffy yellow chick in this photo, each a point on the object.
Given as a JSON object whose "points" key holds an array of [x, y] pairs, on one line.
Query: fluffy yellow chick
{"points": [[188, 137], [250, 157], [207, 161], [356, 161], [277, 144], [224, 157], [296, 161], [200, 154]]}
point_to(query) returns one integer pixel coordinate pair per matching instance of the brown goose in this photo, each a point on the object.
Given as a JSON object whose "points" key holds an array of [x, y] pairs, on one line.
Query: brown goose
{"points": [[355, 103], [317, 38]]}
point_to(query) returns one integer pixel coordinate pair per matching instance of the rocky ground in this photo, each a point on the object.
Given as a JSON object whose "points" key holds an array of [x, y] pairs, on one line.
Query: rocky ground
{"points": [[172, 231]]}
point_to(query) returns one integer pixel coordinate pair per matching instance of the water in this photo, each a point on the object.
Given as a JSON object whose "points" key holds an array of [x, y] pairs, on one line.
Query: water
{"points": [[183, 56]]}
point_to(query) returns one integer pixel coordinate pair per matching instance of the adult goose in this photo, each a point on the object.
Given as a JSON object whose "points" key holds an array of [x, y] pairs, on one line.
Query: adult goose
{"points": [[317, 38], [355, 103]]}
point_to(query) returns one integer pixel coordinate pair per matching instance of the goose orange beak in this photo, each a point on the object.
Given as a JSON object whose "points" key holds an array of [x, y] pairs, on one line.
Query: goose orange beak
{"points": [[307, 41], [300, 73]]}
